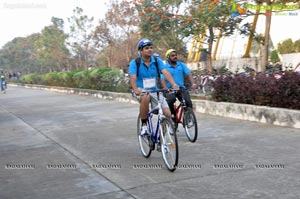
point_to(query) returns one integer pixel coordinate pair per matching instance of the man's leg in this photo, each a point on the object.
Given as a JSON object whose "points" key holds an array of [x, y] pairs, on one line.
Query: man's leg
{"points": [[171, 98], [144, 108], [187, 98], [165, 106]]}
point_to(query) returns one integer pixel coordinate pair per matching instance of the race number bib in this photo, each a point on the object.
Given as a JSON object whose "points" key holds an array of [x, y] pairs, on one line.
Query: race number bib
{"points": [[149, 83]]}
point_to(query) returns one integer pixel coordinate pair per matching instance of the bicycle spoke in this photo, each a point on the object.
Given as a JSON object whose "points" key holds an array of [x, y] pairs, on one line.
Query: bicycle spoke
{"points": [[144, 141], [190, 125], [169, 145]]}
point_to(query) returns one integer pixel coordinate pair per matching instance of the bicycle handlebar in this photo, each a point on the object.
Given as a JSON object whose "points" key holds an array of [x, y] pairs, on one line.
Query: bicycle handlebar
{"points": [[160, 91], [149, 91], [180, 89]]}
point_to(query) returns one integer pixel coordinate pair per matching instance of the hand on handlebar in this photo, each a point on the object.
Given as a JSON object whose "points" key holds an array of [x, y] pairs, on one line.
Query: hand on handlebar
{"points": [[137, 91], [175, 87]]}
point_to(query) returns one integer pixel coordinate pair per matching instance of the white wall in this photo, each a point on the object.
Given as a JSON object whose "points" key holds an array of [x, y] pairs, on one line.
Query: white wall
{"points": [[293, 59], [233, 64]]}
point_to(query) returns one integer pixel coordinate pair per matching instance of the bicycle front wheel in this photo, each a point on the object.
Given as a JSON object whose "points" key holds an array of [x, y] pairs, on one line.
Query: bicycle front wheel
{"points": [[190, 124], [144, 141], [169, 145]]}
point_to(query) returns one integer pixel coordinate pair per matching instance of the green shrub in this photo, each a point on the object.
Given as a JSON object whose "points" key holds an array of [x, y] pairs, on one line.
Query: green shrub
{"points": [[96, 76], [51, 79], [32, 79], [65, 79], [98, 79], [81, 79], [114, 81]]}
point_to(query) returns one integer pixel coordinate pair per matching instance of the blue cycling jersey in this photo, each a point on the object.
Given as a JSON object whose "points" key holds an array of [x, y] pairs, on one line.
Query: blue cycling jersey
{"points": [[178, 72], [146, 72]]}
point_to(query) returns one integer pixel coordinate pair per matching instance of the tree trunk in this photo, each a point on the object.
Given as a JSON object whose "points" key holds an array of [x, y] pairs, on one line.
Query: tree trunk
{"points": [[192, 49], [219, 55], [265, 53], [210, 43], [250, 38], [217, 45]]}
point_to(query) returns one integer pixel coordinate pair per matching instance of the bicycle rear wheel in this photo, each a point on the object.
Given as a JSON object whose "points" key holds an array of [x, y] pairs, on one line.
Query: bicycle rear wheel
{"points": [[190, 124], [144, 141], [169, 145]]}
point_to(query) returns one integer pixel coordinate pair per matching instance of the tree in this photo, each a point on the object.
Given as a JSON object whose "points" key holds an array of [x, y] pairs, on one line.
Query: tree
{"points": [[274, 56], [17, 55], [286, 47], [297, 46], [123, 28], [160, 21], [213, 16], [117, 36], [50, 46], [268, 13], [180, 20], [265, 52], [80, 38], [252, 31]]}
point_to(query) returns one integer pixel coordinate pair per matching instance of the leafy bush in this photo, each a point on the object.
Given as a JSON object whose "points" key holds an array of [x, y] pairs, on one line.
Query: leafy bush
{"points": [[288, 91], [114, 79], [264, 89], [98, 79], [65, 79], [32, 79], [51, 79], [81, 79], [274, 56], [96, 76]]}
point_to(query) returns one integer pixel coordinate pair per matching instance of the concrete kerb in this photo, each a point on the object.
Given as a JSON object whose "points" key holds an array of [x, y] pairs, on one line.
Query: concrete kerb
{"points": [[263, 114]]}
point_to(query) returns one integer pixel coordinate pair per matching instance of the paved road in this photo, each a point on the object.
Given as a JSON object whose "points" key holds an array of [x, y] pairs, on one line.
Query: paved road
{"points": [[73, 147]]}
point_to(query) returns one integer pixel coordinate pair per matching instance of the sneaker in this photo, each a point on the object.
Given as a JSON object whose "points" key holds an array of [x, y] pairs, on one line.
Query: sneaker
{"points": [[144, 130]]}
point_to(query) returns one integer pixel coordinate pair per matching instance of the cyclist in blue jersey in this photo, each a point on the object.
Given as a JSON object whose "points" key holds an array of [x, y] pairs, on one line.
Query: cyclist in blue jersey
{"points": [[145, 76], [179, 71]]}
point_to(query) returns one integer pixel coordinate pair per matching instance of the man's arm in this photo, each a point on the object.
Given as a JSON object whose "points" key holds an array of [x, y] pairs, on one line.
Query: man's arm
{"points": [[133, 85], [164, 83], [169, 77], [193, 84]]}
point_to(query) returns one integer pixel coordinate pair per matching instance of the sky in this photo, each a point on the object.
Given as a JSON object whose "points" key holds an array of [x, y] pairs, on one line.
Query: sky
{"points": [[21, 18], [285, 26]]}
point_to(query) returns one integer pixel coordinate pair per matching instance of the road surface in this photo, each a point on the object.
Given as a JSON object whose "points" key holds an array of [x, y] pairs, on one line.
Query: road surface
{"points": [[61, 146]]}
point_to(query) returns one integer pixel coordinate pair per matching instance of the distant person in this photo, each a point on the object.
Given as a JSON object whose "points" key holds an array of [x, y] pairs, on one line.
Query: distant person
{"points": [[3, 84]]}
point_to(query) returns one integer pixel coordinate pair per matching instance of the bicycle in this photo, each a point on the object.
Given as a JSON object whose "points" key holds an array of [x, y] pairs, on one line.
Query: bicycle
{"points": [[185, 115], [163, 136]]}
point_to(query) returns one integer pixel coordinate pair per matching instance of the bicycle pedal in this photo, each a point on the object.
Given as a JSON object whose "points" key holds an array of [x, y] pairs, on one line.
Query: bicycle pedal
{"points": [[151, 145], [158, 147]]}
